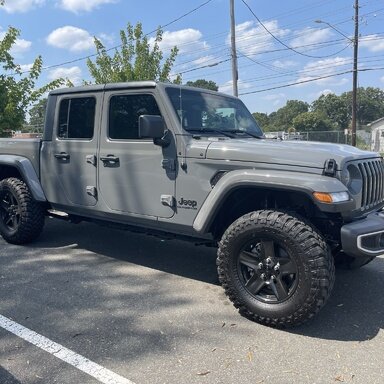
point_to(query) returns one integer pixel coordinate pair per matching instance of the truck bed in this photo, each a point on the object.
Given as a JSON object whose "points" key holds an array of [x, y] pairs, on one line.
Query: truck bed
{"points": [[28, 148]]}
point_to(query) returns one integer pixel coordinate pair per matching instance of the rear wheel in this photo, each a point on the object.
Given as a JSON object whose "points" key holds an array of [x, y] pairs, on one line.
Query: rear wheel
{"points": [[275, 268], [21, 217]]}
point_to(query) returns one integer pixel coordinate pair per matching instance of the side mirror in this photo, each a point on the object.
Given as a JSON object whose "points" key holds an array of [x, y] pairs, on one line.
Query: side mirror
{"points": [[152, 126]]}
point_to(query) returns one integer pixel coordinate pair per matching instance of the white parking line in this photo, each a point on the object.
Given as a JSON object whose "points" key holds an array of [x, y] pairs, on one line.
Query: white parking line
{"points": [[100, 373]]}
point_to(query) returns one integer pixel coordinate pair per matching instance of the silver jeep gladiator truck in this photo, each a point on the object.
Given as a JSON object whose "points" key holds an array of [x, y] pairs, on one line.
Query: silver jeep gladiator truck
{"points": [[189, 163]]}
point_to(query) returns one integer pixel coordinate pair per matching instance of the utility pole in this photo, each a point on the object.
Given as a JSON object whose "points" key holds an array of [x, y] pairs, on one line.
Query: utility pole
{"points": [[233, 49], [354, 83]]}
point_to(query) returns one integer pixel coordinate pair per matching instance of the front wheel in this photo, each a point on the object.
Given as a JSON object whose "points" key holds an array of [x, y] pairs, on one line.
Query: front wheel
{"points": [[21, 217], [275, 268]]}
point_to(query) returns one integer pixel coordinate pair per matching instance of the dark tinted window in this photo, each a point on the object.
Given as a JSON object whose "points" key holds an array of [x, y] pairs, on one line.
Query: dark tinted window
{"points": [[77, 118], [124, 113]]}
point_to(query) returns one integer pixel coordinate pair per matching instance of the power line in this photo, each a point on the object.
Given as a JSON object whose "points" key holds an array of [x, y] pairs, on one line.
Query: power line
{"points": [[296, 83], [311, 80], [279, 40]]}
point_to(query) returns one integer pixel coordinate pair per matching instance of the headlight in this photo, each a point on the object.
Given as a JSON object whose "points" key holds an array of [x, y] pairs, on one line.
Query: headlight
{"points": [[345, 177], [352, 179]]}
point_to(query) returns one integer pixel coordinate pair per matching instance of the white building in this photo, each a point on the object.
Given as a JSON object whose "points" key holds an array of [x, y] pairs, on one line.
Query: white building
{"points": [[377, 135]]}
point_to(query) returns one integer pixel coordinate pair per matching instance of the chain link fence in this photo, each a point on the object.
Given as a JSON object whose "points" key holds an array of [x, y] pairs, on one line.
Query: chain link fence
{"points": [[363, 138]]}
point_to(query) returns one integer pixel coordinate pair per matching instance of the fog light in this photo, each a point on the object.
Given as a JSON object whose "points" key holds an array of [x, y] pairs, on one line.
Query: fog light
{"points": [[381, 241]]}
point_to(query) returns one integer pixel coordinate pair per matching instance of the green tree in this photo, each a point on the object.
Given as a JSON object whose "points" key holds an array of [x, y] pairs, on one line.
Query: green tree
{"points": [[283, 118], [37, 113], [338, 109], [311, 121], [262, 119], [17, 89], [201, 83], [136, 59], [335, 108], [370, 104]]}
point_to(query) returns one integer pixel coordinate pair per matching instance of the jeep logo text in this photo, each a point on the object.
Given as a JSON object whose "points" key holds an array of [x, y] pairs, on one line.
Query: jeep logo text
{"points": [[188, 204]]}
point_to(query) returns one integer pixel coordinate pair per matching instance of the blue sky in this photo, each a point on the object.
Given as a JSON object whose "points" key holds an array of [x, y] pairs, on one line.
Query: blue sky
{"points": [[62, 31]]}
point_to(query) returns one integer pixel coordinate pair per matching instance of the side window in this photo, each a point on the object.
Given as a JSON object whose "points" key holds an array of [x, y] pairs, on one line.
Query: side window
{"points": [[77, 118], [124, 113]]}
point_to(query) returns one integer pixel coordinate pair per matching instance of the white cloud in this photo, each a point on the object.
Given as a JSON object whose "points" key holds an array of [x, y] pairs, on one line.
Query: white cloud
{"points": [[373, 43], [251, 38], [12, 6], [19, 47], [308, 36], [274, 96], [324, 92], [186, 40], [285, 63], [382, 79], [26, 67], [72, 73], [325, 68], [205, 60], [72, 38], [228, 86], [76, 6], [276, 99]]}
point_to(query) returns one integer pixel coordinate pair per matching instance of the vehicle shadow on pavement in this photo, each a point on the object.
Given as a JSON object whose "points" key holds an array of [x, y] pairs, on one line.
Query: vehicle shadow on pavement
{"points": [[171, 256], [354, 311], [7, 378]]}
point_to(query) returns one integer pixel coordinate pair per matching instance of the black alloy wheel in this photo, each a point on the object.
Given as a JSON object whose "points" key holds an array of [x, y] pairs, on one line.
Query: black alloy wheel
{"points": [[275, 268], [21, 217]]}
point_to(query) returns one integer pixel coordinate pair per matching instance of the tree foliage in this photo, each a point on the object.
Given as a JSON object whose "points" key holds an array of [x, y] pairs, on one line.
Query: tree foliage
{"points": [[202, 83], [328, 112], [335, 108], [136, 59], [17, 89], [312, 121], [262, 119], [283, 118], [37, 113]]}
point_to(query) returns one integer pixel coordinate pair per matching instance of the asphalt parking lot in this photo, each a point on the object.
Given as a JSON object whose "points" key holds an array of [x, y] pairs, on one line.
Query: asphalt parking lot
{"points": [[151, 311]]}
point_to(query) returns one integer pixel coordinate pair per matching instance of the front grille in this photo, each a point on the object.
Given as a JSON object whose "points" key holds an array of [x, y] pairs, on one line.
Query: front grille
{"points": [[372, 172]]}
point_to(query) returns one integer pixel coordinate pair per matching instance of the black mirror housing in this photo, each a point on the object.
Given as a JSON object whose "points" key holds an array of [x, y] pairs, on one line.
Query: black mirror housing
{"points": [[151, 126]]}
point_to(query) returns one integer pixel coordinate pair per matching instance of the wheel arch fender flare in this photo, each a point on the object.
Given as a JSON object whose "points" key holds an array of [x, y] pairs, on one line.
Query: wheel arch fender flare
{"points": [[306, 183], [28, 174]]}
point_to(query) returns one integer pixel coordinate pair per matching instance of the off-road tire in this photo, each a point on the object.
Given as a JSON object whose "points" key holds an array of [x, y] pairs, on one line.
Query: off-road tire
{"points": [[301, 284], [348, 262], [21, 217]]}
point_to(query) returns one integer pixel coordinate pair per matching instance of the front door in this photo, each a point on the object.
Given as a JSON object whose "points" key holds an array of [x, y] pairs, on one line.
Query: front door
{"points": [[135, 175]]}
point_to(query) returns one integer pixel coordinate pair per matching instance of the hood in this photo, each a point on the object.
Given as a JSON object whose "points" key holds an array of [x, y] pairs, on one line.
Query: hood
{"points": [[293, 153]]}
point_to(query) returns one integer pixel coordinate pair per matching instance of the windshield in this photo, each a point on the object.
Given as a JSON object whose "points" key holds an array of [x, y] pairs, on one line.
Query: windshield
{"points": [[207, 112]]}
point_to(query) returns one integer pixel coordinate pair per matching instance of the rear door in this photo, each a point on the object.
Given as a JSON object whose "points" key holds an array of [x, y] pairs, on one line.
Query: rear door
{"points": [[69, 172], [135, 175]]}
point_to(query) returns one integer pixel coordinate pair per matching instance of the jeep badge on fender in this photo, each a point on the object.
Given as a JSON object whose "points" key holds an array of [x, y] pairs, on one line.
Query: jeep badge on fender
{"points": [[188, 204]]}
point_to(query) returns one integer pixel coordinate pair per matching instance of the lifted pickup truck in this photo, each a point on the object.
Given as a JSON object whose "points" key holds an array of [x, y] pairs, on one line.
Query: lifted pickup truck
{"points": [[176, 161]]}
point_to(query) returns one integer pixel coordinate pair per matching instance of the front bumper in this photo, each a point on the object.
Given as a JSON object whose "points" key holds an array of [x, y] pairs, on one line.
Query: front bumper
{"points": [[364, 237]]}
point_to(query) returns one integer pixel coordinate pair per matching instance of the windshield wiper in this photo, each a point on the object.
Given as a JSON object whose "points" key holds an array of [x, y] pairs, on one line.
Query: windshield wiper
{"points": [[248, 133], [210, 130]]}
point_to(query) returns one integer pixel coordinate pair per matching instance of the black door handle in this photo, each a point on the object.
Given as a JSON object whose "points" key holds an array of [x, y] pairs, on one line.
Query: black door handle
{"points": [[62, 156], [109, 159]]}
